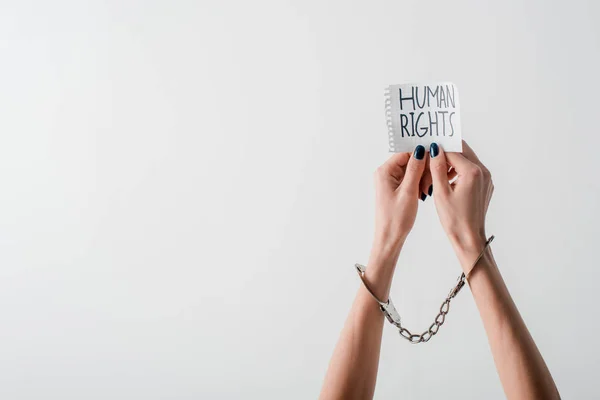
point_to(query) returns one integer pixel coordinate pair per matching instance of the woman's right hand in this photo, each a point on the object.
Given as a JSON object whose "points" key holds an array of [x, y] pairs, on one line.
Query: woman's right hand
{"points": [[462, 204]]}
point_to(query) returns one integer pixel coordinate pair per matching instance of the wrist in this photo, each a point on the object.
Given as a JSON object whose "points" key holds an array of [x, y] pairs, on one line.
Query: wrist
{"points": [[468, 247], [382, 264], [379, 274], [386, 249]]}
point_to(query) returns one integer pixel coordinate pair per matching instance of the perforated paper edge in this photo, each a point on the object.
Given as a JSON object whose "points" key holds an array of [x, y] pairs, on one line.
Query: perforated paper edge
{"points": [[388, 117]]}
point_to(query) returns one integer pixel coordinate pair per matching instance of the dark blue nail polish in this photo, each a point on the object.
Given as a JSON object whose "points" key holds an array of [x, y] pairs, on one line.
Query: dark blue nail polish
{"points": [[434, 150], [419, 152], [430, 191], [423, 196]]}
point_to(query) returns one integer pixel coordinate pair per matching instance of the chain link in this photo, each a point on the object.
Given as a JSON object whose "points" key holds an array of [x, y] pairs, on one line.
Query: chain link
{"points": [[439, 319]]}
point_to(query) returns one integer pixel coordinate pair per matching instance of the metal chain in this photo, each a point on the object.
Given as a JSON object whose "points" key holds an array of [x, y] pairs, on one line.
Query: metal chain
{"points": [[439, 319], [393, 317]]}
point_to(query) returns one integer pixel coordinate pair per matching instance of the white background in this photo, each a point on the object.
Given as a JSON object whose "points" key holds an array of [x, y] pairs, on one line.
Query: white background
{"points": [[186, 187]]}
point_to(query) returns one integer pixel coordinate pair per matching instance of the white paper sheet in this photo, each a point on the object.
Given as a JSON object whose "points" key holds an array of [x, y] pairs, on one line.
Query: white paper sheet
{"points": [[423, 113]]}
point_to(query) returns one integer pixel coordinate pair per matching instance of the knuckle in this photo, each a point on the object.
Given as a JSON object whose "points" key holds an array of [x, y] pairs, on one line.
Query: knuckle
{"points": [[474, 173], [486, 173]]}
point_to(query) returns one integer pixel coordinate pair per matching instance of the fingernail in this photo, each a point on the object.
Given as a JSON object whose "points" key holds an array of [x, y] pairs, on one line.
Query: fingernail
{"points": [[430, 191], [434, 150], [423, 196], [419, 152]]}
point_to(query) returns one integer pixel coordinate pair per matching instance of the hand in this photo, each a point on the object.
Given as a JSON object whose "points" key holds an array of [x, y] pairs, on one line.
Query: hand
{"points": [[462, 205], [397, 193]]}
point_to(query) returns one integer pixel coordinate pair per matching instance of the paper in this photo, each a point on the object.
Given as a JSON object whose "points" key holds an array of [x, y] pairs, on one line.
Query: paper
{"points": [[423, 113]]}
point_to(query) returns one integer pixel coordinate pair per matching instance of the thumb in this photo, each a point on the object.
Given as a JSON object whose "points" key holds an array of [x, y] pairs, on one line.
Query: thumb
{"points": [[414, 171], [438, 168]]}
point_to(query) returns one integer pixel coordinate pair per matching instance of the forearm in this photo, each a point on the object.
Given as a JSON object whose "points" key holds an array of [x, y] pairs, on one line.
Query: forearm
{"points": [[352, 371], [522, 370]]}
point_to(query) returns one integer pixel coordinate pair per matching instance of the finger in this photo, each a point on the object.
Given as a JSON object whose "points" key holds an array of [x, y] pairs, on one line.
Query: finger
{"points": [[414, 171], [471, 156], [491, 193], [451, 178], [397, 160], [467, 171], [394, 166], [396, 163], [478, 166], [439, 168], [469, 153], [426, 186], [459, 162]]}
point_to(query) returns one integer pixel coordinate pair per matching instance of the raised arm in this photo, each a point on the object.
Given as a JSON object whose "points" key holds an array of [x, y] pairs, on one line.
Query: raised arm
{"points": [[462, 207], [353, 368]]}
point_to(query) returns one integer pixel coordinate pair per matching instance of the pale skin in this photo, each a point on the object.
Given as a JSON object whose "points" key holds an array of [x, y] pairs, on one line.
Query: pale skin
{"points": [[463, 189]]}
